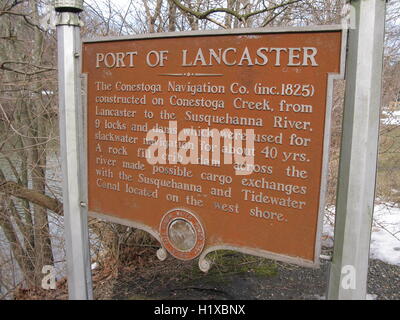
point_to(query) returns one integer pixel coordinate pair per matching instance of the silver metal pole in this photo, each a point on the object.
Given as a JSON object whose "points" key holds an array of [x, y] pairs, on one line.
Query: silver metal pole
{"points": [[70, 102], [357, 170]]}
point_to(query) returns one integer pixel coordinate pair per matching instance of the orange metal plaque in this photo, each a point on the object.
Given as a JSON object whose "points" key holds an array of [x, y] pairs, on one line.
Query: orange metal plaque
{"points": [[273, 83]]}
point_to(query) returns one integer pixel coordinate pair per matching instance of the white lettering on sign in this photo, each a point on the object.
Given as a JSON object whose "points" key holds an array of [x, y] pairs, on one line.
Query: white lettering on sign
{"points": [[291, 57], [115, 60]]}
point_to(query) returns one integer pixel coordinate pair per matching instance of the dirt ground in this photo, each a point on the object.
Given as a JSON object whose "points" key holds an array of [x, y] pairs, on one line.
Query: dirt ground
{"points": [[233, 276]]}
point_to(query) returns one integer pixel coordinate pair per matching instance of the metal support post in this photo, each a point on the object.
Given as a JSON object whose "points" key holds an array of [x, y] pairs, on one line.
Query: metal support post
{"points": [[358, 160], [70, 102]]}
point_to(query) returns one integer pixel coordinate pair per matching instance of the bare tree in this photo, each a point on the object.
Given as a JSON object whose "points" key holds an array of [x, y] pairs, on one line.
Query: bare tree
{"points": [[26, 116]]}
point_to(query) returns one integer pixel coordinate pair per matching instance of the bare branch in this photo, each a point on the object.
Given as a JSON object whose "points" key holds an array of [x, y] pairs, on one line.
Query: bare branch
{"points": [[43, 69], [14, 189], [241, 17]]}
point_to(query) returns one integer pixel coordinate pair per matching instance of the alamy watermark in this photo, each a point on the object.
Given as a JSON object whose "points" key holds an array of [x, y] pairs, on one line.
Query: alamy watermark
{"points": [[348, 281], [348, 15], [202, 146], [49, 280]]}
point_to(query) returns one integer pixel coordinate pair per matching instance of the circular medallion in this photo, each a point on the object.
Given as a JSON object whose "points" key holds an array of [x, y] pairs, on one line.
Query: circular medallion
{"points": [[182, 234]]}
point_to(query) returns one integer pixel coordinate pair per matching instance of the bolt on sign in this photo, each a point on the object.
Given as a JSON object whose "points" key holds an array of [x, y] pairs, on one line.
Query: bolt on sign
{"points": [[213, 140]]}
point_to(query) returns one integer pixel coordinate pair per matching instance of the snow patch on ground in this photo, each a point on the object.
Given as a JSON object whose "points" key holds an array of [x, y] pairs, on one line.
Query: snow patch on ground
{"points": [[391, 118], [385, 238]]}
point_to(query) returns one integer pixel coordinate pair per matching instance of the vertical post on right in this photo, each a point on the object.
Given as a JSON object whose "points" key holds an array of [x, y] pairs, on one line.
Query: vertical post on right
{"points": [[359, 150]]}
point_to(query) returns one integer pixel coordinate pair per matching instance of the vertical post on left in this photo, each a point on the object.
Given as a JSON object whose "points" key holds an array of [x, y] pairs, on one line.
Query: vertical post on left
{"points": [[71, 136]]}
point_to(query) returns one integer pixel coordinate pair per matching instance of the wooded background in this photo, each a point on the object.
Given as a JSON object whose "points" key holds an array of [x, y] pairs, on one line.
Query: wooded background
{"points": [[30, 193]]}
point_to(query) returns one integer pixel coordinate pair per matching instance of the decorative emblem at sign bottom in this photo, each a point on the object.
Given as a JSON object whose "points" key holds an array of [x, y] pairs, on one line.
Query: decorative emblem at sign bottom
{"points": [[182, 234]]}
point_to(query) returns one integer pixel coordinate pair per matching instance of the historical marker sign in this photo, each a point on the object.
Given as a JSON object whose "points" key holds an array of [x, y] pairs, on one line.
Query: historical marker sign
{"points": [[212, 141]]}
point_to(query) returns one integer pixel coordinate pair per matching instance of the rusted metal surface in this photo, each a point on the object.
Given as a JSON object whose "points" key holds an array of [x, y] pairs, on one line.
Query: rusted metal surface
{"points": [[274, 83]]}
